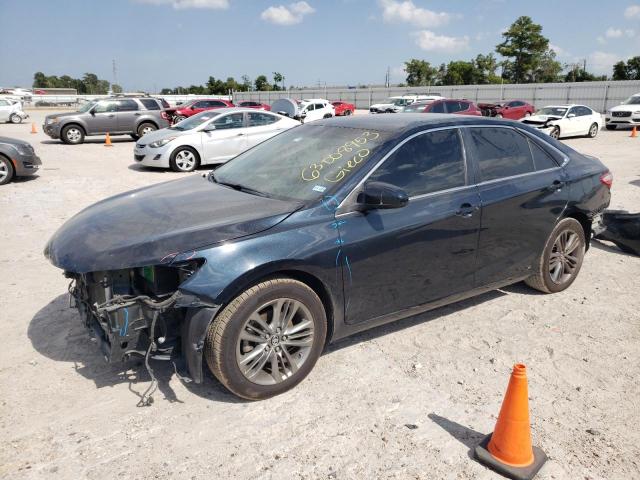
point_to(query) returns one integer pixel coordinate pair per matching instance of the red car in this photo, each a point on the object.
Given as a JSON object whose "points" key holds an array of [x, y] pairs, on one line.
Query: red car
{"points": [[195, 106], [256, 105], [513, 109], [459, 107], [343, 108]]}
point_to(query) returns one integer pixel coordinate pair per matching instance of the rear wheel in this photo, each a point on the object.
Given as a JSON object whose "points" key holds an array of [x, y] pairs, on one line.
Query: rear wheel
{"points": [[179, 118], [347, 112], [6, 170], [561, 259], [184, 159], [145, 128], [72, 135], [267, 339], [498, 115], [593, 130]]}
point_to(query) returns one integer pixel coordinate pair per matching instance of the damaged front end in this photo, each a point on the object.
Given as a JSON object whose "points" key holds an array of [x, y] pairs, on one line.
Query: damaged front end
{"points": [[142, 312]]}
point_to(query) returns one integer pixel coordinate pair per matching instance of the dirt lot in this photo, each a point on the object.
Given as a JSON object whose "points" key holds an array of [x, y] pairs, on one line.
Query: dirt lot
{"points": [[66, 414]]}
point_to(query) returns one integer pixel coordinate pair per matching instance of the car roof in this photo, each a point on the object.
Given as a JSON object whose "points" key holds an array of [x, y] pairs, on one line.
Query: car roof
{"points": [[409, 121], [235, 109]]}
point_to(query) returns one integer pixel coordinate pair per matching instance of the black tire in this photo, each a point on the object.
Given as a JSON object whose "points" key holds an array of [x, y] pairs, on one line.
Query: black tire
{"points": [[176, 163], [223, 336], [593, 130], [347, 112], [610, 127], [135, 136], [177, 119], [72, 135], [6, 170], [144, 128], [542, 279], [327, 115], [15, 118], [555, 133]]}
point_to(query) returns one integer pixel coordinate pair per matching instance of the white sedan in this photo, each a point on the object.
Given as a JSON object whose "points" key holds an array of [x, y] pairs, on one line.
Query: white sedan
{"points": [[11, 111], [210, 137], [561, 121]]}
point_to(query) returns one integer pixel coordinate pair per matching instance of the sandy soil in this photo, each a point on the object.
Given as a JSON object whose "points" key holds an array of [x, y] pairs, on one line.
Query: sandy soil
{"points": [[65, 414]]}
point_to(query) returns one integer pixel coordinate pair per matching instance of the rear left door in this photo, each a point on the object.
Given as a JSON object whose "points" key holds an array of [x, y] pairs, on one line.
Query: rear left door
{"points": [[127, 115], [261, 126]]}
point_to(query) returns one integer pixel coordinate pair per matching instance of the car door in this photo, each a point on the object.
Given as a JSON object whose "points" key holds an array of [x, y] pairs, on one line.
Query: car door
{"points": [[103, 117], [226, 140], [127, 115], [584, 118], [260, 126], [5, 110], [522, 193], [399, 258], [571, 123]]}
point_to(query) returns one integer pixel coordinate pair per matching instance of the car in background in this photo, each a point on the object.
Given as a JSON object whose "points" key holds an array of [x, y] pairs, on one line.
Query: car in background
{"points": [[135, 116], [328, 229], [513, 109], [210, 137], [194, 107], [256, 105], [313, 109], [22, 94], [450, 105], [561, 121], [11, 111], [627, 114], [343, 108], [17, 159], [399, 103]]}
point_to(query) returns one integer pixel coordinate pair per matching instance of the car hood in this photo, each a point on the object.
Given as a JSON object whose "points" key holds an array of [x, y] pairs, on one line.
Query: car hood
{"points": [[14, 142], [153, 224], [541, 118], [62, 115]]}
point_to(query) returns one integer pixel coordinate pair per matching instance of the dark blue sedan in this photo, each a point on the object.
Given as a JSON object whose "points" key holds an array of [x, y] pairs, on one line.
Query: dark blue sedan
{"points": [[327, 229]]}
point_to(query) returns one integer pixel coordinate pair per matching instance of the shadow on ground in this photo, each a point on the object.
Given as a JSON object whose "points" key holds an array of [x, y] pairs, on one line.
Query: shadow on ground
{"points": [[465, 435]]}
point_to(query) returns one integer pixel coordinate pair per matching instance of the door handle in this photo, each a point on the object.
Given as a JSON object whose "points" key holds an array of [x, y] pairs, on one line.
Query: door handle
{"points": [[137, 114], [240, 134], [557, 185], [466, 210], [111, 116]]}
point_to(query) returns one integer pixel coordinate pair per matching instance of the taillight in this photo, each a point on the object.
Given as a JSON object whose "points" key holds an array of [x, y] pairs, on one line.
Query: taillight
{"points": [[607, 179], [164, 115]]}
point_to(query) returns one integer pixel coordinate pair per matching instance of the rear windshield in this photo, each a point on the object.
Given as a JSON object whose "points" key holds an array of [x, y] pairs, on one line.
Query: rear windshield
{"points": [[303, 163]]}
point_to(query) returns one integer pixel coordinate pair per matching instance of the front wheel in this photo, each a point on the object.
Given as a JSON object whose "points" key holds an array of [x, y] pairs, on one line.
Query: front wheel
{"points": [[179, 118], [184, 159], [6, 170], [15, 118], [555, 133], [347, 112], [593, 130], [561, 259], [267, 339], [72, 135]]}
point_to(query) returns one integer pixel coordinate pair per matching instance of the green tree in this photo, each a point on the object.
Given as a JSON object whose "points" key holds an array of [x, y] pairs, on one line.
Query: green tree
{"points": [[419, 73], [115, 88], [90, 81], [620, 71], [261, 83], [459, 73], [523, 47], [548, 68], [633, 68], [246, 83], [39, 80], [278, 78], [486, 66]]}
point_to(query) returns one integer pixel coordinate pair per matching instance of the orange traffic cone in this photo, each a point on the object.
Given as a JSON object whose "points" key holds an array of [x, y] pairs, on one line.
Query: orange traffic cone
{"points": [[107, 141], [508, 449], [634, 133], [33, 128]]}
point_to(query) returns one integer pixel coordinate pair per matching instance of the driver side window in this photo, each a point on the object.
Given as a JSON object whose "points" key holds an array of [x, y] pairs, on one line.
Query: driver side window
{"points": [[105, 106], [234, 120]]}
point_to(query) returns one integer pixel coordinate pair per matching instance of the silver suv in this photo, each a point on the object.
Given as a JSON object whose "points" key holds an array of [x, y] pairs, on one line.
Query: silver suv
{"points": [[135, 116]]}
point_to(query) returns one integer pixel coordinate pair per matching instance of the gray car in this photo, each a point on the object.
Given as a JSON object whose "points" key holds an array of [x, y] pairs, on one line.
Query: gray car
{"points": [[17, 159], [135, 116]]}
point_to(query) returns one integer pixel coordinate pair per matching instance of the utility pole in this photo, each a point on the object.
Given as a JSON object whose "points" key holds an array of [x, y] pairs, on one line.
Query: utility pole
{"points": [[387, 80], [115, 73]]}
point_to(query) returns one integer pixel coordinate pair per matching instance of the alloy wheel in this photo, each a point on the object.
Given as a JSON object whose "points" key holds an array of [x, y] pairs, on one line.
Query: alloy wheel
{"points": [[275, 341], [147, 129], [594, 130], [4, 171], [555, 133], [185, 160], [74, 135], [565, 257]]}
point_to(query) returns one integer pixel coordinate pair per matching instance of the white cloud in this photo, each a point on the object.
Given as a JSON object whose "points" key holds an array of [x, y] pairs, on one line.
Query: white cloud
{"points": [[601, 40], [407, 12], [431, 42], [632, 11], [602, 62], [630, 33], [561, 52], [613, 33], [282, 15], [184, 4]]}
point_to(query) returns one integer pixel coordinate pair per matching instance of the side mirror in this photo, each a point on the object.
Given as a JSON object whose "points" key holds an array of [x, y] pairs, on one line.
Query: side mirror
{"points": [[209, 128], [380, 195], [571, 115]]}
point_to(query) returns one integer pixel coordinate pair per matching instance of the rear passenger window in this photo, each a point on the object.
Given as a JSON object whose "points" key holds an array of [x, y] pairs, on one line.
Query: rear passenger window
{"points": [[216, 103], [150, 104], [437, 108], [501, 152], [541, 159], [127, 105], [260, 119], [427, 163]]}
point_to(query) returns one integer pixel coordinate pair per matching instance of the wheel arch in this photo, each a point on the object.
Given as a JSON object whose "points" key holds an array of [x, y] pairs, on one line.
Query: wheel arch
{"points": [[584, 221], [76, 124], [147, 120]]}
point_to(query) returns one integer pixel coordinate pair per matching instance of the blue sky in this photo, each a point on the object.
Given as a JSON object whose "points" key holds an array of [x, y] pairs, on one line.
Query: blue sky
{"points": [[164, 43]]}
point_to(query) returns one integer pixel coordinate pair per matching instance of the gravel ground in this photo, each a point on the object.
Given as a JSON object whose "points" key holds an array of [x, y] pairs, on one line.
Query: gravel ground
{"points": [[408, 400]]}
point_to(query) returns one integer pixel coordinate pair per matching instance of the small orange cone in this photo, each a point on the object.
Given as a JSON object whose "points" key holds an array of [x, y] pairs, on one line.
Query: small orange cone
{"points": [[33, 128], [107, 141], [508, 449], [634, 133]]}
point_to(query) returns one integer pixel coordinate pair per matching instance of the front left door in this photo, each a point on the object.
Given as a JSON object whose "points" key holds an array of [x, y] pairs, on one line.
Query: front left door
{"points": [[227, 140], [400, 258], [5, 110], [103, 118]]}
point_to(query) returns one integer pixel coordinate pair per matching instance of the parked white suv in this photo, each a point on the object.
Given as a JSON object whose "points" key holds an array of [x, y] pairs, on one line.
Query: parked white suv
{"points": [[627, 114], [315, 109], [397, 104]]}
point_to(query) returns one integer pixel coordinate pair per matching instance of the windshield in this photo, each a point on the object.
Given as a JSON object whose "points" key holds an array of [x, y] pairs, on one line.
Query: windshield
{"points": [[633, 100], [194, 121], [86, 107], [400, 102], [303, 163], [552, 111]]}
